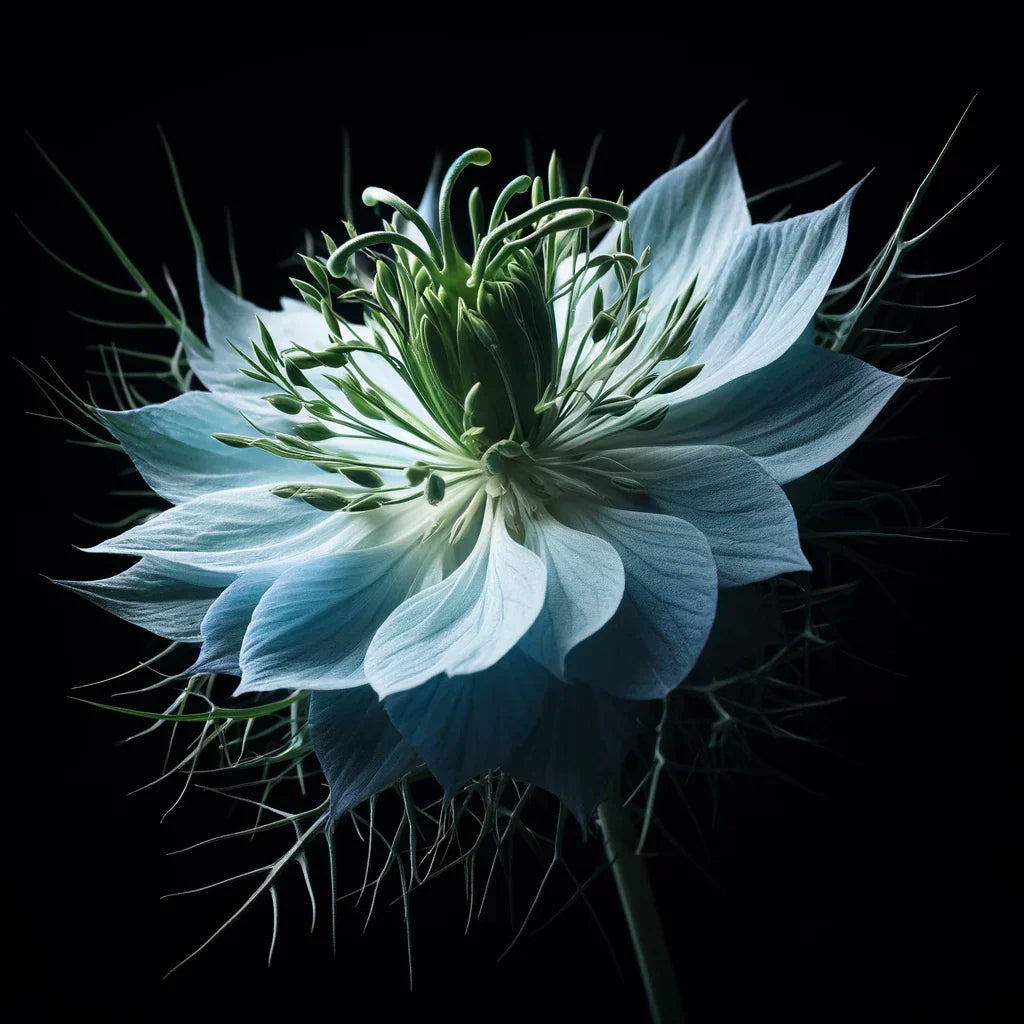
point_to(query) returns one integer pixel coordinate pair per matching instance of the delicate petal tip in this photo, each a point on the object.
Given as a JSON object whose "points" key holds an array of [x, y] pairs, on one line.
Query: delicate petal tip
{"points": [[156, 596], [359, 750], [794, 415], [765, 295], [172, 445]]}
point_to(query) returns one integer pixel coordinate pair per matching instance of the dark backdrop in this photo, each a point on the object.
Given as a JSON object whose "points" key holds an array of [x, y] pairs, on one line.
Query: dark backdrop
{"points": [[877, 896]]}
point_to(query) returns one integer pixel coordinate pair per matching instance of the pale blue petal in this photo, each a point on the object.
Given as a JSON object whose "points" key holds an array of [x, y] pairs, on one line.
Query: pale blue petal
{"points": [[465, 725], [311, 629], [358, 748], [585, 581], [667, 609], [793, 416], [691, 217], [172, 446], [229, 319], [225, 623], [465, 623], [233, 531], [765, 294], [740, 509], [576, 748], [167, 599]]}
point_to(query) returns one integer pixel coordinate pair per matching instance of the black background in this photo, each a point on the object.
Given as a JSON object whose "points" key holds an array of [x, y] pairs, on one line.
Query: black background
{"points": [[878, 898]]}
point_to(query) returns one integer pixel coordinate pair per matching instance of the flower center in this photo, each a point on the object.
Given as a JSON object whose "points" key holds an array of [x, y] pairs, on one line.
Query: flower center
{"points": [[492, 367]]}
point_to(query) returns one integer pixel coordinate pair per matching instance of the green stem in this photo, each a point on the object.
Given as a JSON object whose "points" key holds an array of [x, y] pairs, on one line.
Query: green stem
{"points": [[638, 905]]}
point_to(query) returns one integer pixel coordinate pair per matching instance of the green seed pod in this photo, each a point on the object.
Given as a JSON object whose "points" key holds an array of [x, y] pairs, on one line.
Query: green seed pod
{"points": [[319, 408], [640, 383], [286, 490], [293, 371], [266, 340], [603, 323], [613, 405], [365, 504], [314, 431], [234, 440], [417, 473], [327, 499], [284, 403], [330, 319], [676, 379], [319, 274], [435, 489], [363, 477]]}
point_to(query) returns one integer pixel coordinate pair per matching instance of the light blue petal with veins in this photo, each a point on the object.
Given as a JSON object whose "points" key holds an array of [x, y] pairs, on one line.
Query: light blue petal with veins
{"points": [[793, 416], [465, 623], [667, 608], [585, 581], [224, 625], [172, 446], [167, 599], [765, 294], [312, 627], [233, 531], [740, 509]]}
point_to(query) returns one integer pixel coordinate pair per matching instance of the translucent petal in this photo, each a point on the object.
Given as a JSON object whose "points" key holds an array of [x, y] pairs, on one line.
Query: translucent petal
{"points": [[794, 415], [765, 294], [580, 739], [465, 623], [312, 627], [167, 599], [740, 509], [585, 581], [233, 531], [667, 608], [173, 448]]}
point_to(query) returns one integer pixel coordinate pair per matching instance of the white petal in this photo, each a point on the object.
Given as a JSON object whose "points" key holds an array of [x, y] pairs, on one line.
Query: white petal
{"points": [[765, 295], [232, 531], [173, 448], [465, 623], [691, 217]]}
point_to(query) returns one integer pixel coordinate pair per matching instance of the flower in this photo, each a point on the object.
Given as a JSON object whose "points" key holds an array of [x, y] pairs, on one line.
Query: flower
{"points": [[486, 523]]}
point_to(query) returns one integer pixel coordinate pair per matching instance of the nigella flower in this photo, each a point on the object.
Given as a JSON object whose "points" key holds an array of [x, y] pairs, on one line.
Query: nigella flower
{"points": [[484, 521]]}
